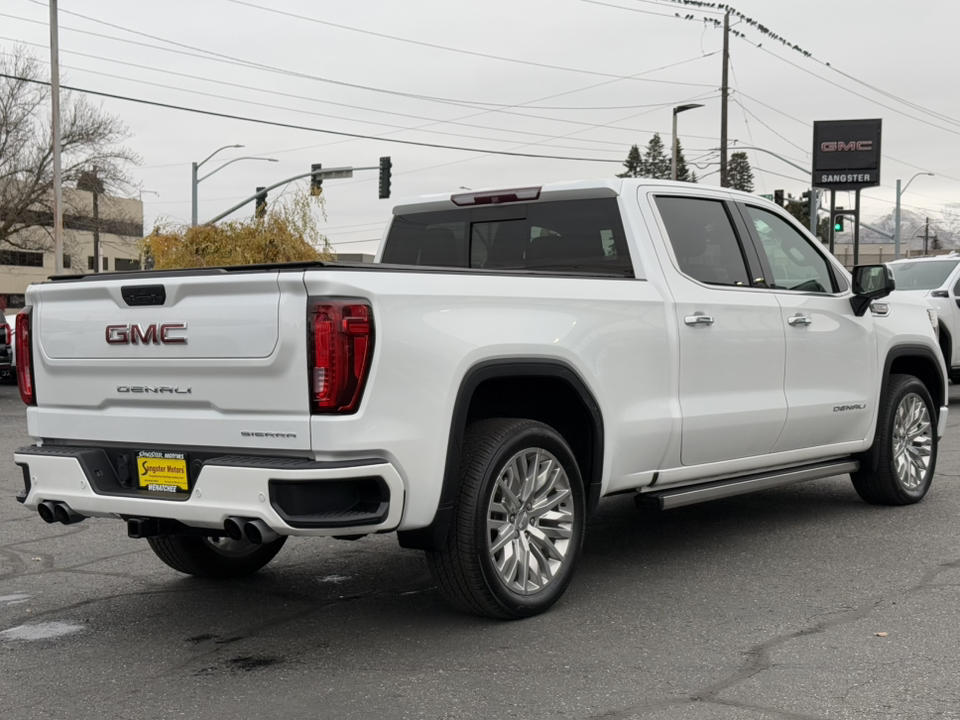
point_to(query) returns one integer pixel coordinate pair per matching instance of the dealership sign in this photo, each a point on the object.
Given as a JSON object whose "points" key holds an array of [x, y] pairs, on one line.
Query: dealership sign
{"points": [[846, 154]]}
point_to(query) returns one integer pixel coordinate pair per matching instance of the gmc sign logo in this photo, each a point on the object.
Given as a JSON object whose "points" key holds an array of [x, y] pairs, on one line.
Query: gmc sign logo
{"points": [[852, 146], [155, 333]]}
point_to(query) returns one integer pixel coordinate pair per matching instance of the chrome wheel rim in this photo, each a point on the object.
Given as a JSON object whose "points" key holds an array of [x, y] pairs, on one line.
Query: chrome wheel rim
{"points": [[912, 441], [530, 521], [231, 548]]}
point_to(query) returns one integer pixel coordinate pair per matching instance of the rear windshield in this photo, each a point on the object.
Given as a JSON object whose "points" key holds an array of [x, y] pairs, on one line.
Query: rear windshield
{"points": [[922, 275], [582, 236]]}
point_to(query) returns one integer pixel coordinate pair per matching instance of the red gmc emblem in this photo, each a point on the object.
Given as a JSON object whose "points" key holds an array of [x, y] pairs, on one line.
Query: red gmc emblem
{"points": [[156, 333], [852, 146]]}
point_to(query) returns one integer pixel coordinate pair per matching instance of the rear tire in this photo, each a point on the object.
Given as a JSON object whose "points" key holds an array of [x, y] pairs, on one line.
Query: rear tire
{"points": [[899, 468], [212, 558], [518, 523]]}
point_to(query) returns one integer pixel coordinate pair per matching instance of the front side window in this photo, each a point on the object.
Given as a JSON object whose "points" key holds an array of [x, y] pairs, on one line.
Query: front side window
{"points": [[795, 263], [703, 240]]}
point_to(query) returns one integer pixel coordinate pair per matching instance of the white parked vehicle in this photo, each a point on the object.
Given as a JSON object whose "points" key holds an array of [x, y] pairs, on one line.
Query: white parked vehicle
{"points": [[513, 357], [937, 280]]}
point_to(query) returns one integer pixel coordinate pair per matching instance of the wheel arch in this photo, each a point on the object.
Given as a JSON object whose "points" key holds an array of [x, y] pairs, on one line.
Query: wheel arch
{"points": [[580, 423], [921, 362], [945, 341]]}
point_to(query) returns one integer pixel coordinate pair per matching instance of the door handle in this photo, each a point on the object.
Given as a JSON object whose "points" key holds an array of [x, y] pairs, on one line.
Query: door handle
{"points": [[799, 320], [698, 320]]}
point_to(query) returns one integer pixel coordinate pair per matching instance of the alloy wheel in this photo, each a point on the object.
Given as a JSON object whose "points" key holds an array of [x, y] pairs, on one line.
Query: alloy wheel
{"points": [[912, 441], [530, 520]]}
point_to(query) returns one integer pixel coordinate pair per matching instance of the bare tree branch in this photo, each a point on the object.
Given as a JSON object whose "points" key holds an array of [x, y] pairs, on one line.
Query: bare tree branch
{"points": [[91, 141]]}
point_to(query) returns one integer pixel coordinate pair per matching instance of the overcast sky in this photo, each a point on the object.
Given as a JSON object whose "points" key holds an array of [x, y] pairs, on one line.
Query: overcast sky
{"points": [[905, 50]]}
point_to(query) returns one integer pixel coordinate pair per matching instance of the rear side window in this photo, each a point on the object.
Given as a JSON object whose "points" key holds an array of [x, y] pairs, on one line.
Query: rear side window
{"points": [[583, 236], [704, 241]]}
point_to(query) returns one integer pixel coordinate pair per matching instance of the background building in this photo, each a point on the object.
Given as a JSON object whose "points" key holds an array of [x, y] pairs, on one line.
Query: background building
{"points": [[118, 222]]}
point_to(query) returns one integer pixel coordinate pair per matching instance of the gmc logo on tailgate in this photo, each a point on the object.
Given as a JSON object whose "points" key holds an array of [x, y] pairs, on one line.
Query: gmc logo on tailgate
{"points": [[154, 333]]}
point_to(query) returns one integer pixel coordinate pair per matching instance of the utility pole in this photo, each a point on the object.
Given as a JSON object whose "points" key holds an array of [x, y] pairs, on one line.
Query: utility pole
{"points": [[724, 91], [55, 113], [926, 236], [96, 231]]}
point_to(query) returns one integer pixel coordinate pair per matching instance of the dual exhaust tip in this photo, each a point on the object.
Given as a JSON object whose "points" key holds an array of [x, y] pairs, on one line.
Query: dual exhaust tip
{"points": [[236, 528], [51, 512], [256, 531]]}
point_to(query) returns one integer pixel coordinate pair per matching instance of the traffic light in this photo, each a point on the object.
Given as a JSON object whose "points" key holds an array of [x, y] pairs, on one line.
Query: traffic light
{"points": [[385, 168], [805, 196], [260, 210], [838, 222], [316, 183], [778, 197]]}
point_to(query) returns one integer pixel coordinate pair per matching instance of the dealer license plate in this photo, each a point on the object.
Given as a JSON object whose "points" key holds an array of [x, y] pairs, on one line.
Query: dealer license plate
{"points": [[163, 472]]}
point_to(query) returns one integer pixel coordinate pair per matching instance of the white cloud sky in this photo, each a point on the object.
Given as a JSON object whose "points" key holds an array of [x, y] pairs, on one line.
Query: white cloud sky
{"points": [[906, 50]]}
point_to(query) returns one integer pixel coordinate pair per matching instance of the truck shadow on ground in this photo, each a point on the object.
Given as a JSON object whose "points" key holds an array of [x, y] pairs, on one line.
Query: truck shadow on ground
{"points": [[373, 584]]}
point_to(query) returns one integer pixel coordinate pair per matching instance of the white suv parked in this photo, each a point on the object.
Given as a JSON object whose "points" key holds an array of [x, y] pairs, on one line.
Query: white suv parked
{"points": [[937, 280]]}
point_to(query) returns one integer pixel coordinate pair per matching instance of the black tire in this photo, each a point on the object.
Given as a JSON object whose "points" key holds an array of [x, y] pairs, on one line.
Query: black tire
{"points": [[877, 481], [463, 568], [201, 557]]}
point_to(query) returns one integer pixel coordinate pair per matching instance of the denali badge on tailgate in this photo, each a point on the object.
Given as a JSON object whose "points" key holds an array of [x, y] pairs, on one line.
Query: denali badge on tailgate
{"points": [[156, 333]]}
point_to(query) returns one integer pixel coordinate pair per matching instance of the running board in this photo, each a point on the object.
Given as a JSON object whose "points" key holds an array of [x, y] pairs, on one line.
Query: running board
{"points": [[692, 494]]}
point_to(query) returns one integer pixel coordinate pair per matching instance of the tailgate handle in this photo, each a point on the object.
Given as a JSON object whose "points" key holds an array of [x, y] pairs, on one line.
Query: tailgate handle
{"points": [[137, 295]]}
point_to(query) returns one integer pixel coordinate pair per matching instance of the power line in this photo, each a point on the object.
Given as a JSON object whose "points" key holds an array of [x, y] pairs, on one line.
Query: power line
{"points": [[848, 90], [809, 126], [699, 9], [337, 117], [500, 108], [291, 126], [428, 44], [782, 137], [702, 6], [303, 17]]}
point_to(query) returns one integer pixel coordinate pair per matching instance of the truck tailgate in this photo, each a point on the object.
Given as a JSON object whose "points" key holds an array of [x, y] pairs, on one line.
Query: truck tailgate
{"points": [[223, 359]]}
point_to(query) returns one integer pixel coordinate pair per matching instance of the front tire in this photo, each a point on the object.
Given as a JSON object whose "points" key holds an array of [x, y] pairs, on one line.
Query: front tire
{"points": [[212, 557], [899, 468], [518, 523]]}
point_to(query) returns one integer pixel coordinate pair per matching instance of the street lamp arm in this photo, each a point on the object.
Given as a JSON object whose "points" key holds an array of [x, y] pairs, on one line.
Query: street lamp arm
{"points": [[225, 147], [912, 179], [778, 157], [229, 162]]}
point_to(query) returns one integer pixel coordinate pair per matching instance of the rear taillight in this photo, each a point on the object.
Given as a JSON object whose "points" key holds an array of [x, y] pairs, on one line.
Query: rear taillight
{"points": [[341, 349], [25, 358]]}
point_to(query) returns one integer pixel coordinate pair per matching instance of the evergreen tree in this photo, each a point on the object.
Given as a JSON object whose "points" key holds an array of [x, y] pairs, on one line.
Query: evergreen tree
{"points": [[739, 174], [683, 172], [656, 161], [633, 164]]}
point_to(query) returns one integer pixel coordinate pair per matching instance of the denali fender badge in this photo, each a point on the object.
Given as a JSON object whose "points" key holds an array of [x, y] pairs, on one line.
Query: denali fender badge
{"points": [[843, 408], [155, 389], [257, 433]]}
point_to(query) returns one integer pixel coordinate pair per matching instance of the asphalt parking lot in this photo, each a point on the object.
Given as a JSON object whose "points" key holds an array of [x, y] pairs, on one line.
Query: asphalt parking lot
{"points": [[795, 603]]}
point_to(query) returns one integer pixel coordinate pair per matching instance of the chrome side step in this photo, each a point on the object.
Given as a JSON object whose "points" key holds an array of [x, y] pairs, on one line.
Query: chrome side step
{"points": [[692, 494]]}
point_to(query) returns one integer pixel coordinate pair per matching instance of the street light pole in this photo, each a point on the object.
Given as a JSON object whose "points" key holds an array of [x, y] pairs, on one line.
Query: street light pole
{"points": [[673, 153], [194, 181], [896, 214]]}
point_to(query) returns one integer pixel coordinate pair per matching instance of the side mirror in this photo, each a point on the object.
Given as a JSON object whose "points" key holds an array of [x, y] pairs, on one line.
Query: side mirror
{"points": [[870, 282]]}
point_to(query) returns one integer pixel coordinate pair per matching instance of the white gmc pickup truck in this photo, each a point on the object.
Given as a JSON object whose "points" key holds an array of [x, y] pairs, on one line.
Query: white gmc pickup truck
{"points": [[511, 358]]}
